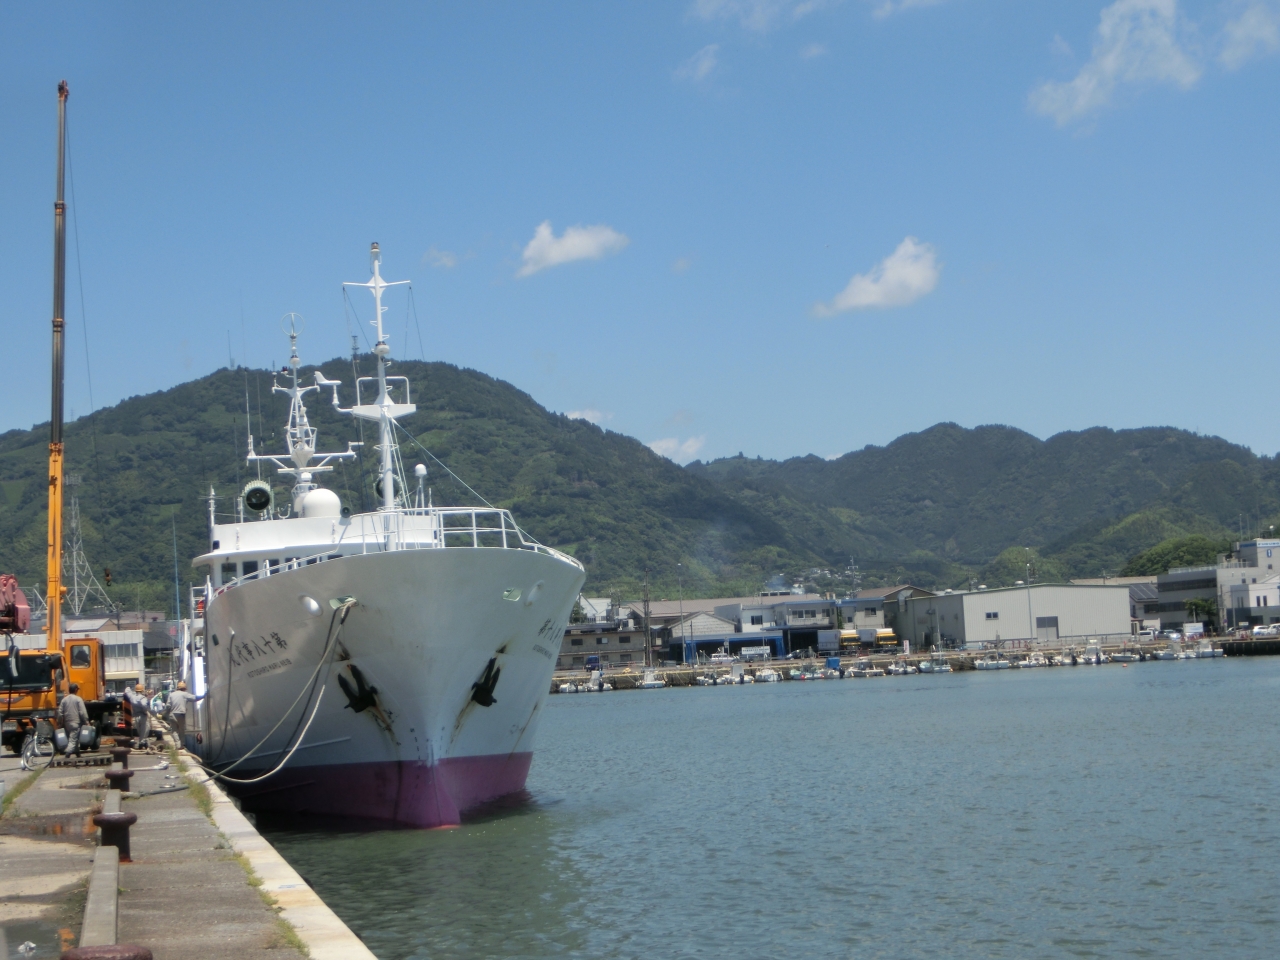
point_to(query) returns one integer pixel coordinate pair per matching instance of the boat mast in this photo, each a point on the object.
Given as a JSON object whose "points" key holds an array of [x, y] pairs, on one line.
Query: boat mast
{"points": [[384, 409], [53, 600]]}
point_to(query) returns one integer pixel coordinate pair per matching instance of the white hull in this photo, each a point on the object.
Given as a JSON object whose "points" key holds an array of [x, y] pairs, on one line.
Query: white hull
{"points": [[424, 628]]}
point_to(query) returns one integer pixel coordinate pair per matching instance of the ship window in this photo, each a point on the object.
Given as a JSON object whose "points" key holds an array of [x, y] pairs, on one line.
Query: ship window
{"points": [[228, 572], [250, 567], [80, 655], [575, 642], [273, 565]]}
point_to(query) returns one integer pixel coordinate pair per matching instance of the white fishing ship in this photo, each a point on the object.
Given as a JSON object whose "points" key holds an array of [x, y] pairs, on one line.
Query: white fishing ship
{"points": [[389, 665]]}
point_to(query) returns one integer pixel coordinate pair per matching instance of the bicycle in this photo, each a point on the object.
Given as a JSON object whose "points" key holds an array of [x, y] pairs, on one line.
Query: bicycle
{"points": [[38, 749]]}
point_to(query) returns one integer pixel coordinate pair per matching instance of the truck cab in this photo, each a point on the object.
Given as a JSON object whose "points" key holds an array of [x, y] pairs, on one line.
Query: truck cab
{"points": [[33, 683]]}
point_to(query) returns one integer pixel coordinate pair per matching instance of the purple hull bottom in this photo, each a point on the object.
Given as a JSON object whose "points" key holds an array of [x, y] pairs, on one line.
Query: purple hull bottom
{"points": [[405, 793]]}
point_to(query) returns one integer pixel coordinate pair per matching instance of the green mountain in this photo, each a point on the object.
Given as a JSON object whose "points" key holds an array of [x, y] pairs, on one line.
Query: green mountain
{"points": [[1085, 501], [937, 507], [147, 465]]}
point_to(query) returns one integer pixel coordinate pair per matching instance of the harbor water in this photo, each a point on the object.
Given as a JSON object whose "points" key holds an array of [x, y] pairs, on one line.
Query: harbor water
{"points": [[1066, 812]]}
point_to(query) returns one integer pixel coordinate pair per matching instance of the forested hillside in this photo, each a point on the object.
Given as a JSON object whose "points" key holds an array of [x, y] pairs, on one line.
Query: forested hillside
{"points": [[1085, 502], [148, 463], [937, 507]]}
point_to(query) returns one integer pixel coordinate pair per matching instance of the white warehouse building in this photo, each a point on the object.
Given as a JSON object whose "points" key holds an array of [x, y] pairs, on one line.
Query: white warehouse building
{"points": [[1043, 613]]}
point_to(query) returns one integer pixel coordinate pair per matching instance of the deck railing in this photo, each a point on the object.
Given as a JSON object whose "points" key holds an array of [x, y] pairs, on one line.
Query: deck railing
{"points": [[431, 528]]}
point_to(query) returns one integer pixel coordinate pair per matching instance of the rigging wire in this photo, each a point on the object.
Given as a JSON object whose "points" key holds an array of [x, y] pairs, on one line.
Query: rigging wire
{"points": [[464, 483], [84, 322], [340, 616], [348, 303], [413, 304]]}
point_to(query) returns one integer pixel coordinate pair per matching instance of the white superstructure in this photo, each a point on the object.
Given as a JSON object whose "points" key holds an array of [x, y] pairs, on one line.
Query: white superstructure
{"points": [[388, 665]]}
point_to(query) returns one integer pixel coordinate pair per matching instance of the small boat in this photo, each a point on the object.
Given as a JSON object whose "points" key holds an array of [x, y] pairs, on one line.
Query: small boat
{"points": [[651, 681], [992, 661], [569, 688], [1125, 656], [1172, 652], [829, 674], [1206, 651], [768, 675], [1093, 655], [901, 668], [596, 683], [937, 663], [1035, 660], [704, 680], [866, 668]]}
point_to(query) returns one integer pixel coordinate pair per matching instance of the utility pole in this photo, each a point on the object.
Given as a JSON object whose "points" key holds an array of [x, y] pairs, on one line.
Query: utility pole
{"points": [[648, 637], [680, 583]]}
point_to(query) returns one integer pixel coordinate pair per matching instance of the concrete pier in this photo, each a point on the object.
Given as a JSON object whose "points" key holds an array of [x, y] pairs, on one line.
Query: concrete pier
{"points": [[202, 884]]}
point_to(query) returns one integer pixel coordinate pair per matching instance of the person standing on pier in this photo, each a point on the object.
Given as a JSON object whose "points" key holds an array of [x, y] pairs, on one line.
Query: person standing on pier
{"points": [[72, 715], [177, 710], [140, 701]]}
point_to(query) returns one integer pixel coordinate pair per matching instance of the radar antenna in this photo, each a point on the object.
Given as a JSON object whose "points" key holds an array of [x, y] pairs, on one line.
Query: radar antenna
{"points": [[299, 435]]}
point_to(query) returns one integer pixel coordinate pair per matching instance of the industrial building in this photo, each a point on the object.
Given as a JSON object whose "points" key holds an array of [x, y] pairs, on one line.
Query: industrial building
{"points": [[1245, 587], [1041, 613]]}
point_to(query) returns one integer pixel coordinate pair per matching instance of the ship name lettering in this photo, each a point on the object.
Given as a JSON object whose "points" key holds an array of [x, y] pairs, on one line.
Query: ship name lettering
{"points": [[278, 665], [544, 651]]}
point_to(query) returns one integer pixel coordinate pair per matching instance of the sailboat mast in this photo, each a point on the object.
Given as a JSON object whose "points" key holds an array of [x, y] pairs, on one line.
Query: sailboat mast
{"points": [[53, 641]]}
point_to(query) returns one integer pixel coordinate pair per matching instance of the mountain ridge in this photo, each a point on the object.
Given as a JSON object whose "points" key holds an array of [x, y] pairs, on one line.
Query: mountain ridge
{"points": [[938, 506]]}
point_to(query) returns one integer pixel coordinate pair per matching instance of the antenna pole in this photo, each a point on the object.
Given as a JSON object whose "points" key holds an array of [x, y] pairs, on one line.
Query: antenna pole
{"points": [[53, 616]]}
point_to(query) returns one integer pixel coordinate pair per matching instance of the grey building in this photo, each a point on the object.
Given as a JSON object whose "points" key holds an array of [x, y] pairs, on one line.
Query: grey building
{"points": [[1040, 613]]}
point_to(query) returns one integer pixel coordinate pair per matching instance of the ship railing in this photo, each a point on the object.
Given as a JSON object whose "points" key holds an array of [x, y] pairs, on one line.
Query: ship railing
{"points": [[432, 528]]}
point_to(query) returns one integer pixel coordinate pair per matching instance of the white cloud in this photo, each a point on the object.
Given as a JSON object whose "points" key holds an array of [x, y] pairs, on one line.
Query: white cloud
{"points": [[589, 415], [813, 51], [675, 449], [681, 265], [699, 66], [1256, 32], [443, 259], [758, 16], [889, 7], [1137, 42], [576, 243], [903, 277]]}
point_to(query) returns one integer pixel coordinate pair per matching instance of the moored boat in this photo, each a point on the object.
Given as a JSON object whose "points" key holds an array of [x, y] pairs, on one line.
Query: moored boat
{"points": [[389, 665]]}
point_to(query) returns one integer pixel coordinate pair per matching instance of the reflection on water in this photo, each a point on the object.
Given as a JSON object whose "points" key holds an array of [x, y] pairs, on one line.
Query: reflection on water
{"points": [[494, 887], [1089, 811]]}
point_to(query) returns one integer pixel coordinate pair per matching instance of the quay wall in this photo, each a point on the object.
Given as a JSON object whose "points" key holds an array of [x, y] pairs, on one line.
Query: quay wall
{"points": [[683, 676]]}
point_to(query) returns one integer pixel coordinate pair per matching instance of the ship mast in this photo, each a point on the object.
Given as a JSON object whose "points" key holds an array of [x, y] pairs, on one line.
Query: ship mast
{"points": [[384, 409], [53, 617]]}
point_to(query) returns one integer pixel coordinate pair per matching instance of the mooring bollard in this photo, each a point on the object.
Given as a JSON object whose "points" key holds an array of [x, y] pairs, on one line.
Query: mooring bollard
{"points": [[120, 755], [115, 831], [117, 951], [119, 779]]}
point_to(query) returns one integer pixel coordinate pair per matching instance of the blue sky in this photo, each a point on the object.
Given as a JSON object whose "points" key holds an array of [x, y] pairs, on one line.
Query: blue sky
{"points": [[761, 226]]}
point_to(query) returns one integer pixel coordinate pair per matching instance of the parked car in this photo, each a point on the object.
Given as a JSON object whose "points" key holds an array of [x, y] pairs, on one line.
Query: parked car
{"points": [[593, 663], [1271, 631]]}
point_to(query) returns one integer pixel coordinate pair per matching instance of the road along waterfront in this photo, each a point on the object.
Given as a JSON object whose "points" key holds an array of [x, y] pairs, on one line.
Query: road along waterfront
{"points": [[1047, 813]]}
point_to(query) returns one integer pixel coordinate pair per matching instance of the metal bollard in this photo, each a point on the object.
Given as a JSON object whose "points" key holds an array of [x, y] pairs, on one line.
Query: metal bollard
{"points": [[120, 755], [119, 779], [117, 951], [115, 831]]}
